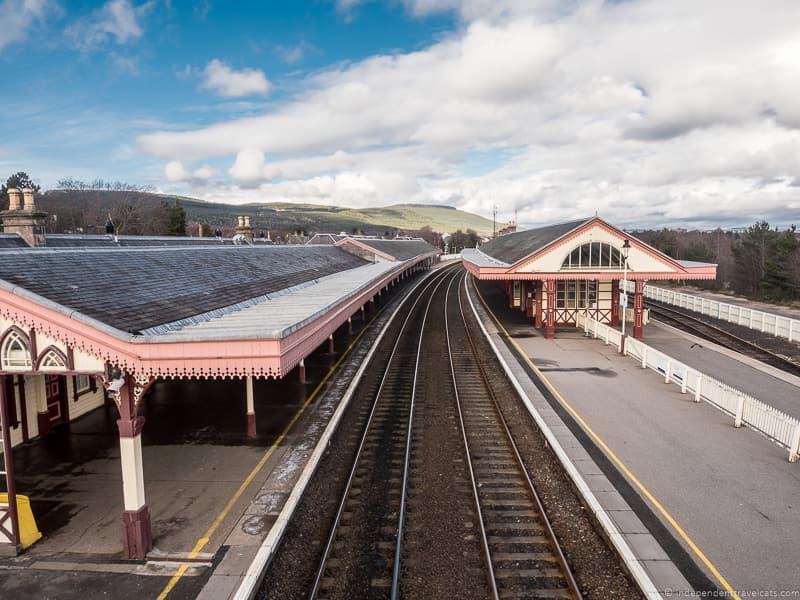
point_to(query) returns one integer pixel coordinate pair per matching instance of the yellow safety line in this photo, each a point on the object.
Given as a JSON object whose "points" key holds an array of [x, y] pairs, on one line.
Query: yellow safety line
{"points": [[201, 542], [670, 519]]}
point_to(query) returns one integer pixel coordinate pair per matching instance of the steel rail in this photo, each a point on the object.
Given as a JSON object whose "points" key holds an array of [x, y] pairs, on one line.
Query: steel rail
{"points": [[395, 592], [722, 337], [340, 510], [487, 553], [550, 534]]}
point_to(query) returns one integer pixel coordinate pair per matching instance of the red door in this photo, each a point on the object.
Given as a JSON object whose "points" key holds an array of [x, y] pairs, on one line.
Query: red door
{"points": [[56, 392]]}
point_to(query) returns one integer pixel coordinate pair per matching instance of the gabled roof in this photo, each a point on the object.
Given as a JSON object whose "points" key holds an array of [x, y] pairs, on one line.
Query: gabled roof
{"points": [[132, 289], [396, 249], [513, 247]]}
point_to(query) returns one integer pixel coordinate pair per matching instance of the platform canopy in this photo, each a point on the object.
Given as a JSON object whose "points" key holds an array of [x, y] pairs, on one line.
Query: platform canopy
{"points": [[576, 250], [190, 311]]}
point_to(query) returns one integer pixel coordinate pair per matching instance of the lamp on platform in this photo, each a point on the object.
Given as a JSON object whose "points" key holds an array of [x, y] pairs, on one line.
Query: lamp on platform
{"points": [[626, 248]]}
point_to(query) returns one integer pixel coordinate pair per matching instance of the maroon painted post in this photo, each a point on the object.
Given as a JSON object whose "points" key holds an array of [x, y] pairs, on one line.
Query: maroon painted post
{"points": [[638, 310], [615, 303], [550, 327], [331, 348], [537, 316], [349, 325], [137, 535], [301, 371], [8, 468]]}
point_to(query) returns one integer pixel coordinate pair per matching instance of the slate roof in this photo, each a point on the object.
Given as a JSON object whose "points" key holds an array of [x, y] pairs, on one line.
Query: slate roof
{"points": [[325, 238], [63, 240], [11, 240], [132, 289], [400, 249], [513, 247], [479, 259]]}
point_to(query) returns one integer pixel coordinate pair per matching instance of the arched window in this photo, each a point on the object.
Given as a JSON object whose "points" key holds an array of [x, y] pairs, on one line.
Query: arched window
{"points": [[594, 255], [52, 359], [15, 353]]}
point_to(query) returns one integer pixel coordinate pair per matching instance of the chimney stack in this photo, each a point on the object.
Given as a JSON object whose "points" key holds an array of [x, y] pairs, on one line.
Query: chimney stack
{"points": [[24, 219], [27, 195], [14, 199], [244, 228]]}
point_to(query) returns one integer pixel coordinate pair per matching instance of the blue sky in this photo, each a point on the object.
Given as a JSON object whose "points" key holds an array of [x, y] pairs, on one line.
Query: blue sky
{"points": [[649, 112], [85, 100]]}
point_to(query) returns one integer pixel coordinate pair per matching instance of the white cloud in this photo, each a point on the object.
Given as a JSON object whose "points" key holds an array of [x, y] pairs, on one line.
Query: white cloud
{"points": [[177, 172], [293, 54], [18, 16], [116, 21], [250, 168], [228, 83], [648, 111]]}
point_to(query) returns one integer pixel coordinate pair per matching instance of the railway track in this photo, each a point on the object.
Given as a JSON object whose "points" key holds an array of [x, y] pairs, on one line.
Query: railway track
{"points": [[520, 550], [362, 555], [686, 322]]}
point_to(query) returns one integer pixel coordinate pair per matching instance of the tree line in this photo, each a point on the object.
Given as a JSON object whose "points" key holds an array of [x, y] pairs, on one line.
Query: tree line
{"points": [[760, 262]]}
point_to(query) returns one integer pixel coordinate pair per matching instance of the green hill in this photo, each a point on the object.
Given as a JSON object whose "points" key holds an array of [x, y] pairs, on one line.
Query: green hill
{"points": [[87, 210]]}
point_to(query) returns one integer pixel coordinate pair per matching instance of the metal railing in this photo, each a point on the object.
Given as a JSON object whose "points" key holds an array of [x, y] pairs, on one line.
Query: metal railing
{"points": [[777, 325], [744, 409]]}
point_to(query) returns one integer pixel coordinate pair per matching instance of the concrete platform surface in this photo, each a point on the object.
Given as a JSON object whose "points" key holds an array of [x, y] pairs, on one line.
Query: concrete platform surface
{"points": [[732, 491], [776, 388]]}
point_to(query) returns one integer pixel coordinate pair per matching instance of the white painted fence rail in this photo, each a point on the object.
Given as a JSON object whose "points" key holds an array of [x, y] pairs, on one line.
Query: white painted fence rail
{"points": [[744, 409], [771, 323], [452, 256]]}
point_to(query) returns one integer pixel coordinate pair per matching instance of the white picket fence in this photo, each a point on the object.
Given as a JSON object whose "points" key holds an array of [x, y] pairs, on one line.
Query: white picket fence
{"points": [[744, 409], [771, 323]]}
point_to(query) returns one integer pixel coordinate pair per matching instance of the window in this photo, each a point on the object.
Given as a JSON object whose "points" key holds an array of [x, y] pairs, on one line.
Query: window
{"points": [[52, 360], [83, 383], [15, 351], [576, 294], [594, 255]]}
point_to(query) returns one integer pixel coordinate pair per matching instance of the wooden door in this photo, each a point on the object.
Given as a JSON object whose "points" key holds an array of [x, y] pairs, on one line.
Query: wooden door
{"points": [[56, 392]]}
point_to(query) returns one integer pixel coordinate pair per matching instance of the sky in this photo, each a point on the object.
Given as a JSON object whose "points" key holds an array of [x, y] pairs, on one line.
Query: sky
{"points": [[645, 112]]}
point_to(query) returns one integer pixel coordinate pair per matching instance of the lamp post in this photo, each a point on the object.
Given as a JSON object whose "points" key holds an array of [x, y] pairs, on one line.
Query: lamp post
{"points": [[626, 248]]}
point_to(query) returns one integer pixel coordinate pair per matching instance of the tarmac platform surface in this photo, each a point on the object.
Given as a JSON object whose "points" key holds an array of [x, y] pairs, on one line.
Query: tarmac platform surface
{"points": [[733, 492], [777, 388]]}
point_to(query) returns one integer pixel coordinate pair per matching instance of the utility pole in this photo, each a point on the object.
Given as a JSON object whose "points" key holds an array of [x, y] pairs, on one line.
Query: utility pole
{"points": [[494, 221]]}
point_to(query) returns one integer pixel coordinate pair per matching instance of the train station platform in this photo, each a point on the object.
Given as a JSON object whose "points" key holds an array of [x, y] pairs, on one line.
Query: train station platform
{"points": [[720, 502], [213, 489], [777, 388]]}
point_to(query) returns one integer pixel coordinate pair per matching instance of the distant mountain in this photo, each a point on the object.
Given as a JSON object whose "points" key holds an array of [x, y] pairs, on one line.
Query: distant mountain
{"points": [[88, 209]]}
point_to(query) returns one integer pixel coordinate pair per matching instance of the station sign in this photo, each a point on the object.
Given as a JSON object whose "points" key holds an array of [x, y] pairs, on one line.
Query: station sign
{"points": [[623, 299]]}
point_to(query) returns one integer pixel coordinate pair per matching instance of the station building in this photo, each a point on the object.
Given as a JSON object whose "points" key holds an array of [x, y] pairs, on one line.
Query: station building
{"points": [[86, 320], [553, 273]]}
